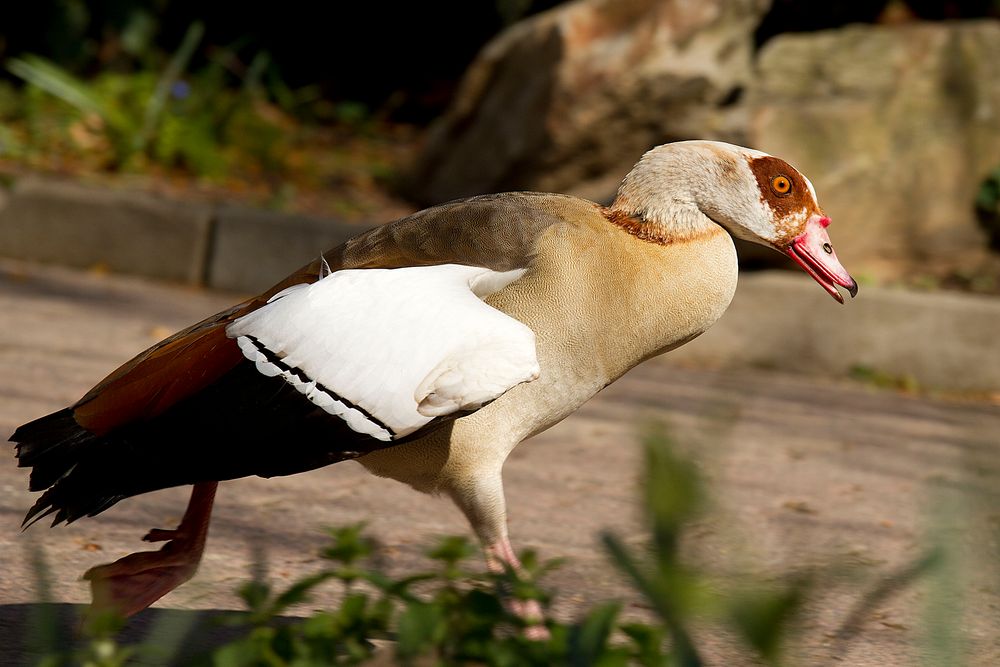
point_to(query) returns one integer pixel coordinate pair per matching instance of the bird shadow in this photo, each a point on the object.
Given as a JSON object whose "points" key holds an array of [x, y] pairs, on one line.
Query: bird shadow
{"points": [[31, 632]]}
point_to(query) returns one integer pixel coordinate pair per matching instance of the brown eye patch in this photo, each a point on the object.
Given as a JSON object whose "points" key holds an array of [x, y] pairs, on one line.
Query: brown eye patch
{"points": [[781, 186]]}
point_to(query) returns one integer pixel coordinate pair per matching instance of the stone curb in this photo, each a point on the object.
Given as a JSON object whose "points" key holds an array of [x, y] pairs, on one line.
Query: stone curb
{"points": [[64, 223], [254, 249], [783, 320], [777, 319], [218, 246]]}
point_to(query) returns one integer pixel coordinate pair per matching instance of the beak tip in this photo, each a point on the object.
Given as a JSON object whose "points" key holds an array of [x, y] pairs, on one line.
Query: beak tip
{"points": [[853, 289]]}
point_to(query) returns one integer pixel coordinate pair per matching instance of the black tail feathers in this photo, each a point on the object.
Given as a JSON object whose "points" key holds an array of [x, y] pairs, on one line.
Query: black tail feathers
{"points": [[243, 424], [52, 446], [47, 446]]}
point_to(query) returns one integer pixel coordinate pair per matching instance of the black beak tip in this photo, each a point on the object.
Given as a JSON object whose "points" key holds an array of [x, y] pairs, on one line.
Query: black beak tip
{"points": [[853, 289]]}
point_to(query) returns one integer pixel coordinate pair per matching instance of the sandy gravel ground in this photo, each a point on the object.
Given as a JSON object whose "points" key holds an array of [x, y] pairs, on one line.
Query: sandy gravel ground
{"points": [[803, 473]]}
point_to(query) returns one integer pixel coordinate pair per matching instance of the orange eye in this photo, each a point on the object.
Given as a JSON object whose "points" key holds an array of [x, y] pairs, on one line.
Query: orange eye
{"points": [[781, 185]]}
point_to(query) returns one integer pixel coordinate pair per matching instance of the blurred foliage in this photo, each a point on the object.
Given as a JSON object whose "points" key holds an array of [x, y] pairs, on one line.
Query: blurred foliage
{"points": [[988, 206], [457, 615], [403, 59], [197, 121], [191, 112], [883, 380]]}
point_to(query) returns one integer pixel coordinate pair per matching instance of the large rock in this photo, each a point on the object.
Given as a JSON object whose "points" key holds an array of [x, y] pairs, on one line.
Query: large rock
{"points": [[897, 127], [579, 92]]}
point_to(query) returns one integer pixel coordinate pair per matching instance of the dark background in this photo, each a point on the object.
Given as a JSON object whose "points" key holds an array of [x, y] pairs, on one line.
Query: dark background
{"points": [[402, 57]]}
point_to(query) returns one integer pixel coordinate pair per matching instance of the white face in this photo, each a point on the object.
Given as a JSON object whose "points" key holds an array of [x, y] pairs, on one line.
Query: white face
{"points": [[759, 197]]}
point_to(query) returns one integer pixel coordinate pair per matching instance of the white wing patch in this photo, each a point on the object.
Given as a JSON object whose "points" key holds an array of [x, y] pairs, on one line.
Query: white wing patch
{"points": [[388, 350]]}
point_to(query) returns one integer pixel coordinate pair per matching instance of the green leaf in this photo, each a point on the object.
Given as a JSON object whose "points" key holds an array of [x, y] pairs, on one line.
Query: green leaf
{"points": [[397, 587], [137, 35], [56, 81], [255, 595], [255, 71], [166, 637], [659, 594], [649, 641], [763, 617], [672, 491], [588, 641], [420, 627], [237, 654], [59, 83], [299, 591], [353, 607], [988, 196], [349, 545], [484, 604], [43, 619], [452, 550]]}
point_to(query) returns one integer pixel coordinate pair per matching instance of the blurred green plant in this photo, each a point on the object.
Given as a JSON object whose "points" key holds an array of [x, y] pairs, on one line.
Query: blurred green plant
{"points": [[883, 380], [457, 615], [196, 121], [988, 206], [673, 497], [127, 109]]}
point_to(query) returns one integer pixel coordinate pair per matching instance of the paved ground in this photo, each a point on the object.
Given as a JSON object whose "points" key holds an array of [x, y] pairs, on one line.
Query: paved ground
{"points": [[803, 473]]}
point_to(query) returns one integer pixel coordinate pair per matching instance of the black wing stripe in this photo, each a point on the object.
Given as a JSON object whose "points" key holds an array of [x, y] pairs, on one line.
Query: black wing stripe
{"points": [[300, 375]]}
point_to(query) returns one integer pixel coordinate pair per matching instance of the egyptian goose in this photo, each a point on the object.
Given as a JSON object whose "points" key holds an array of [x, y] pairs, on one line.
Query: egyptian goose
{"points": [[425, 349]]}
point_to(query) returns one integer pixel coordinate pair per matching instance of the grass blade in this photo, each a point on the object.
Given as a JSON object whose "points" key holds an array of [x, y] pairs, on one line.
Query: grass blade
{"points": [[178, 63], [51, 78]]}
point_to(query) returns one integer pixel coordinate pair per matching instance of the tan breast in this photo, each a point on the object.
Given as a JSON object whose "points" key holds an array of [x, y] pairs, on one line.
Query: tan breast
{"points": [[601, 300]]}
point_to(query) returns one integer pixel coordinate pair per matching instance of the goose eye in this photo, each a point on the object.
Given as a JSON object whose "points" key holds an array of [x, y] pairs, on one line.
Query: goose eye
{"points": [[781, 185]]}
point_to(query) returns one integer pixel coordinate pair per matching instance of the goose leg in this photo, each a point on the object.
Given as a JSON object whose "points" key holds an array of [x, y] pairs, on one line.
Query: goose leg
{"points": [[484, 505], [499, 556], [133, 582]]}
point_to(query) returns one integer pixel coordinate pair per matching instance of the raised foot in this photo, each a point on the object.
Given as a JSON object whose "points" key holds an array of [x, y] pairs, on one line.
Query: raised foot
{"points": [[134, 582]]}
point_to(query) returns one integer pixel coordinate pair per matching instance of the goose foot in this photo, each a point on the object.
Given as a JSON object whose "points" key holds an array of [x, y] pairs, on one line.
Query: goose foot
{"points": [[133, 582]]}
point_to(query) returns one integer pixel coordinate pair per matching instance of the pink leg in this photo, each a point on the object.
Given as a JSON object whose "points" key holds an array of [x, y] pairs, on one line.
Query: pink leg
{"points": [[499, 556], [481, 498], [133, 582]]}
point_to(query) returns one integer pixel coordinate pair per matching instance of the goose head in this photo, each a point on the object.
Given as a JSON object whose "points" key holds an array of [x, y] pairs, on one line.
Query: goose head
{"points": [[681, 190]]}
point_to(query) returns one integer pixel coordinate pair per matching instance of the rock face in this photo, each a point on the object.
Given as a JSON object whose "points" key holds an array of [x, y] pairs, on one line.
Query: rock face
{"points": [[578, 93], [897, 126]]}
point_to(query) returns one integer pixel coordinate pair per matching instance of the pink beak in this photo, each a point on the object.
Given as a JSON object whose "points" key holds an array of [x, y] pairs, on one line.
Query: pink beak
{"points": [[813, 251]]}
